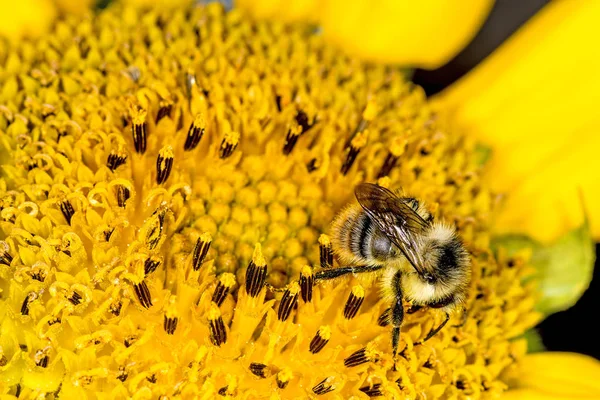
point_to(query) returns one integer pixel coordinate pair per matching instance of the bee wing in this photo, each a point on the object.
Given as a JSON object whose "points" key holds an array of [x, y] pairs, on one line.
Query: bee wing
{"points": [[395, 218]]}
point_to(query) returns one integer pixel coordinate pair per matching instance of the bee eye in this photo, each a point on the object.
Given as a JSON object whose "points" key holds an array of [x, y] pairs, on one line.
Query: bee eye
{"points": [[429, 278]]}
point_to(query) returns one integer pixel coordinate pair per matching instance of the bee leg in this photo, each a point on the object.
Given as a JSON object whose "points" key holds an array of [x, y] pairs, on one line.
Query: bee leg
{"points": [[397, 312], [433, 332], [337, 272], [273, 288]]}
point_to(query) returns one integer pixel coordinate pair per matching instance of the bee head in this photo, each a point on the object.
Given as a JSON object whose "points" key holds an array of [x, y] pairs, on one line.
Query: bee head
{"points": [[445, 269]]}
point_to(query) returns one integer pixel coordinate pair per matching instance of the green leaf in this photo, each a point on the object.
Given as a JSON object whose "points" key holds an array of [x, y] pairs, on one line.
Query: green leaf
{"points": [[564, 268], [534, 341]]}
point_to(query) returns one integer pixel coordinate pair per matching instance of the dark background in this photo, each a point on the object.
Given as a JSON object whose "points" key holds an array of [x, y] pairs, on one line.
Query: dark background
{"points": [[573, 329]]}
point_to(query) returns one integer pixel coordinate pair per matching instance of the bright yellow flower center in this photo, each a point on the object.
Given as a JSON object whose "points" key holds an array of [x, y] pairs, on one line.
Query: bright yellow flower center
{"points": [[168, 183]]}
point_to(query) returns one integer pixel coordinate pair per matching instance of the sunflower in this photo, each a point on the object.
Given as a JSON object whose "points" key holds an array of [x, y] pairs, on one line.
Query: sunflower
{"points": [[168, 181]]}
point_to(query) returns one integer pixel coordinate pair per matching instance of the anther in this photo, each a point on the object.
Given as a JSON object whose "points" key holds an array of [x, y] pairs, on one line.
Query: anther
{"points": [[195, 133], [256, 273], [357, 358], [165, 110], [115, 308], [164, 164], [139, 130], [283, 377], [323, 387], [326, 251], [372, 390], [356, 144], [320, 340], [115, 160], [396, 149], [291, 139], [228, 144], [312, 165], [151, 264], [385, 317], [306, 283], [288, 301], [143, 294], [5, 257], [67, 210], [170, 319], [122, 375], [31, 296], [75, 298], [41, 358], [218, 334], [354, 302], [200, 250], [224, 285], [260, 370], [302, 121], [123, 194]]}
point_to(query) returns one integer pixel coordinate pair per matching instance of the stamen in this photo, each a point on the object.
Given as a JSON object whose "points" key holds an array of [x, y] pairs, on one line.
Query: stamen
{"points": [[302, 121], [306, 283], [225, 283], [115, 308], [151, 264], [3, 360], [326, 251], [385, 318], [260, 370], [164, 164], [218, 334], [122, 375], [357, 358], [115, 160], [288, 301], [229, 144], [323, 387], [143, 294], [320, 340], [283, 377], [123, 194], [356, 145], [256, 273], [170, 319], [31, 296], [195, 133], [165, 110], [397, 148], [372, 390], [75, 298], [200, 250], [291, 139], [41, 358], [5, 257], [67, 210], [312, 165], [139, 130], [129, 340], [354, 302]]}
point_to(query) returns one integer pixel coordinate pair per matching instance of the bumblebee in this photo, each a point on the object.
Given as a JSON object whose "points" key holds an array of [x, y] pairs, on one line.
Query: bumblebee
{"points": [[413, 256]]}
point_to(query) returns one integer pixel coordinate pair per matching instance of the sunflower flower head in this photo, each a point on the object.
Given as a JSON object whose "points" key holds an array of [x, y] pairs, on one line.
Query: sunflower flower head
{"points": [[168, 182]]}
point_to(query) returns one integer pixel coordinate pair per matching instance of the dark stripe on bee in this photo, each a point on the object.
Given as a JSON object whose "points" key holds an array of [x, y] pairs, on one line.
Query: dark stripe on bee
{"points": [[143, 294], [364, 223], [323, 387], [372, 390]]}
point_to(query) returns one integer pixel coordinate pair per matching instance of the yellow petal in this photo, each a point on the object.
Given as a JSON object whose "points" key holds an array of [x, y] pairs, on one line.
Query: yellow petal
{"points": [[425, 34], [539, 117], [27, 18], [557, 376]]}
